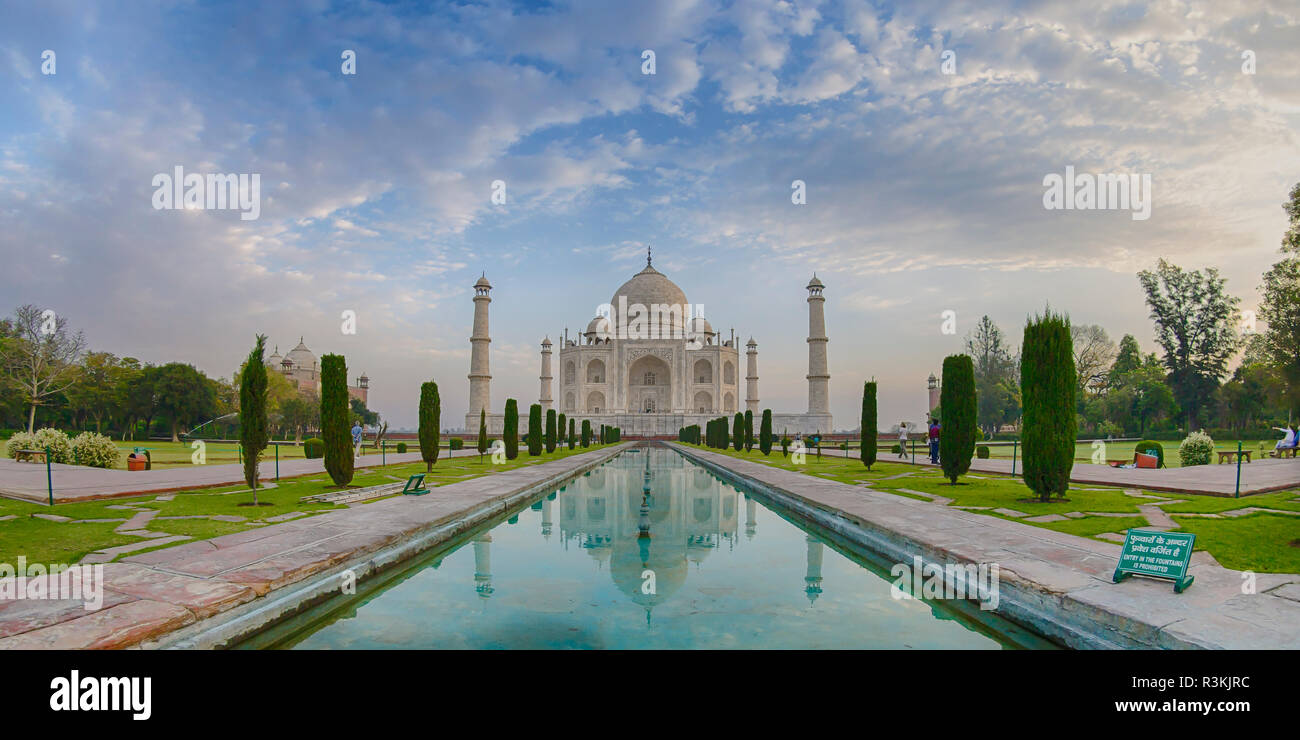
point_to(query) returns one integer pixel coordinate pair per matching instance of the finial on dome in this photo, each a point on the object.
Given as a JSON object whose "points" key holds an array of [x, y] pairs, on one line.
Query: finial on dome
{"points": [[647, 255]]}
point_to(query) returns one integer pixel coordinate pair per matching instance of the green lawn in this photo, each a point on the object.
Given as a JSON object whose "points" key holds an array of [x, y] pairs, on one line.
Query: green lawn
{"points": [[44, 541], [1257, 542]]}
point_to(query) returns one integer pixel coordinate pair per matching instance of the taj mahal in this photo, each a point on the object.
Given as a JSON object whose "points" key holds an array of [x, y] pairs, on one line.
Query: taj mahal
{"points": [[650, 365]]}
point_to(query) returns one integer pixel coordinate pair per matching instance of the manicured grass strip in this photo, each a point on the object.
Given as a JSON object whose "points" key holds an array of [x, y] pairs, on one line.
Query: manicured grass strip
{"points": [[1258, 542], [1095, 525]]}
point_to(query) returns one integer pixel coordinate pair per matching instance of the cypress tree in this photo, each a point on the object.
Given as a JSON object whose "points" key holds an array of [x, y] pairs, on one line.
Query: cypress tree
{"points": [[957, 437], [510, 432], [1047, 389], [482, 433], [738, 431], [765, 433], [586, 432], [573, 437], [561, 430], [535, 430], [724, 438], [749, 430], [550, 431], [869, 424], [430, 422], [252, 411], [335, 411]]}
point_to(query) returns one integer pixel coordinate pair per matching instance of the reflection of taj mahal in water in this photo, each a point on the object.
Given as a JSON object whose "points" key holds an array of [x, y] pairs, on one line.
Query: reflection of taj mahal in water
{"points": [[676, 372], [637, 521]]}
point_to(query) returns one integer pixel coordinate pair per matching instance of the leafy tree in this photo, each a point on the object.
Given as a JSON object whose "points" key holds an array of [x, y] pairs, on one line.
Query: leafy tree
{"points": [[996, 376], [335, 421], [510, 432], [1094, 354], [1049, 385], [1280, 308], [430, 424], [252, 412], [362, 414], [869, 424], [550, 431], [482, 445], [93, 393], [535, 430], [765, 433], [1127, 360], [40, 357], [300, 412], [957, 397], [182, 395], [1196, 327]]}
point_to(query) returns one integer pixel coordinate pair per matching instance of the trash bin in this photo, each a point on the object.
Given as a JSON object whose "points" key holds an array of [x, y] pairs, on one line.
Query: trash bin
{"points": [[136, 461]]}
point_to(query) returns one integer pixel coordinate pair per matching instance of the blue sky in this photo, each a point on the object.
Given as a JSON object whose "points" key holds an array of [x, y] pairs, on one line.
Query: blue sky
{"points": [[924, 189]]}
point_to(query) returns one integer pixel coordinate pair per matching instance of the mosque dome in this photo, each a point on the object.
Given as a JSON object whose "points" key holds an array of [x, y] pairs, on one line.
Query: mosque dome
{"points": [[701, 325], [600, 327], [650, 288], [301, 356]]}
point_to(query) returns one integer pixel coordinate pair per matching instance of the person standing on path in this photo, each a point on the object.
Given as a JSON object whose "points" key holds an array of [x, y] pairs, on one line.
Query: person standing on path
{"points": [[934, 442], [356, 438], [902, 440]]}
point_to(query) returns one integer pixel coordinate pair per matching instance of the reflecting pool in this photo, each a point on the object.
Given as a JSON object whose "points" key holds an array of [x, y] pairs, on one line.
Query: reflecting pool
{"points": [[648, 550]]}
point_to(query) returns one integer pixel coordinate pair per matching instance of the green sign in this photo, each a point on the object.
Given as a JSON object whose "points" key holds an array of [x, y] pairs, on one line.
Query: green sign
{"points": [[1158, 555]]}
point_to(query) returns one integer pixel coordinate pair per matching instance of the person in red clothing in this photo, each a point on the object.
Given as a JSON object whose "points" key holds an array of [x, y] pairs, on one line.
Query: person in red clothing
{"points": [[934, 441]]}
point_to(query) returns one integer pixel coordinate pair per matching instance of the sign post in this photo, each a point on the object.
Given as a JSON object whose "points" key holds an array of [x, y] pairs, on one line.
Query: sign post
{"points": [[1157, 555]]}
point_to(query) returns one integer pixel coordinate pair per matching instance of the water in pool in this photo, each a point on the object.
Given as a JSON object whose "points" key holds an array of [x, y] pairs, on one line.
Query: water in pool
{"points": [[599, 563]]}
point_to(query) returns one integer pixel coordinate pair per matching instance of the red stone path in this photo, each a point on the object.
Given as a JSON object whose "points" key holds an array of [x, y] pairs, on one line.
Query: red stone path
{"points": [[150, 595]]}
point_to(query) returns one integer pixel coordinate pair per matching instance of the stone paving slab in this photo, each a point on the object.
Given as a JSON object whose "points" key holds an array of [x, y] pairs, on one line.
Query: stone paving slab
{"points": [[1066, 578], [1009, 512], [149, 595], [1044, 518], [52, 517]]}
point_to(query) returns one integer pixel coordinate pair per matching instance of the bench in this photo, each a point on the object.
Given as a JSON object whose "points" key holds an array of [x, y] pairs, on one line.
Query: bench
{"points": [[1231, 455], [30, 456], [415, 486], [1283, 452]]}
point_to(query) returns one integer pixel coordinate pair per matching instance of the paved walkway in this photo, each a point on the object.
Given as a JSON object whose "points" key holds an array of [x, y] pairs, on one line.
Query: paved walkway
{"points": [[1057, 582], [26, 481], [1259, 476], [151, 595]]}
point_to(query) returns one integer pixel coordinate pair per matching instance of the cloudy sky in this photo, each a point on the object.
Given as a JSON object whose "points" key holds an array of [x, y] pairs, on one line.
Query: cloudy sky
{"points": [[924, 189]]}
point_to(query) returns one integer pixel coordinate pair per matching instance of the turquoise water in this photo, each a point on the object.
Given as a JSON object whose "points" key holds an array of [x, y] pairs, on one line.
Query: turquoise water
{"points": [[700, 565]]}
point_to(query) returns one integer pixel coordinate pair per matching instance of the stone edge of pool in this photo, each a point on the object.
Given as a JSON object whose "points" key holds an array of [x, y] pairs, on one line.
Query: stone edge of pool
{"points": [[1055, 584], [214, 593]]}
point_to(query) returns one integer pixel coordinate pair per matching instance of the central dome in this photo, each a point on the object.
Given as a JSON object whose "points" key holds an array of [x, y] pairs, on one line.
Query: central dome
{"points": [[650, 288]]}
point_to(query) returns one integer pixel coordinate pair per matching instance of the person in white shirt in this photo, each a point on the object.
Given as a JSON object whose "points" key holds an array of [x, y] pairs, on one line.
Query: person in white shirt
{"points": [[902, 440], [1288, 439]]}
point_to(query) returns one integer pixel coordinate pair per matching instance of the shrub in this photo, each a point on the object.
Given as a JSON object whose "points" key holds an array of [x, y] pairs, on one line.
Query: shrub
{"points": [[401, 448], [982, 452], [510, 432], [57, 442], [455, 443], [95, 450], [1196, 449], [313, 448], [335, 413], [896, 449], [957, 398], [430, 416], [867, 447], [1152, 447], [19, 441]]}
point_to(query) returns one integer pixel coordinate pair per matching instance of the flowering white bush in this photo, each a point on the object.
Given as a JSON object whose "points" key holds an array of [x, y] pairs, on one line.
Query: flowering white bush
{"points": [[20, 441], [57, 442], [1196, 449], [95, 450]]}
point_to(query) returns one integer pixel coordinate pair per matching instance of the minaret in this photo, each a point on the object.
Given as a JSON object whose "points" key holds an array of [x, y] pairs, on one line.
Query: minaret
{"points": [[818, 374], [751, 377], [545, 397], [480, 376], [933, 386], [812, 582], [483, 566]]}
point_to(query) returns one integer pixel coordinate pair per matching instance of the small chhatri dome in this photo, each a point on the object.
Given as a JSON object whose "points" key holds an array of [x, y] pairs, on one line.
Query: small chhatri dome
{"points": [[599, 326], [275, 357], [815, 283], [483, 282], [751, 343], [701, 326], [546, 341]]}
